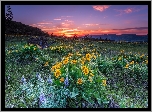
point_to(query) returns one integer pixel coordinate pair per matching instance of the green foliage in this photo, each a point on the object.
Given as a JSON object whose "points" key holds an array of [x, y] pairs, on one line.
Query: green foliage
{"points": [[125, 73], [26, 54]]}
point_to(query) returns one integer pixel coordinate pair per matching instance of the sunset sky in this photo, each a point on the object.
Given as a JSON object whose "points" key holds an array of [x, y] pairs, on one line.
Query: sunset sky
{"points": [[84, 19]]}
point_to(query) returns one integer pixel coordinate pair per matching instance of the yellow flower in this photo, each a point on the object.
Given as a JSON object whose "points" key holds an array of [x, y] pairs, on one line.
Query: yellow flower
{"points": [[119, 59], [122, 51], [83, 67], [82, 62], [83, 59], [142, 55], [85, 71], [79, 81], [74, 61], [70, 54], [65, 61], [62, 79], [46, 64], [59, 64], [91, 74], [67, 58], [132, 62], [88, 59], [104, 82], [127, 66], [34, 48], [53, 68], [88, 56], [77, 53], [146, 61], [57, 73]]}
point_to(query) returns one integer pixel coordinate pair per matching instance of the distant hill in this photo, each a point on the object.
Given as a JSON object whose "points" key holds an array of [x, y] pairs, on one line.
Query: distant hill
{"points": [[18, 28], [129, 38]]}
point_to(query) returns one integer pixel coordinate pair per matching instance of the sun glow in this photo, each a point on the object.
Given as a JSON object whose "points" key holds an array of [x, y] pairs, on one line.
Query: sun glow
{"points": [[105, 31]]}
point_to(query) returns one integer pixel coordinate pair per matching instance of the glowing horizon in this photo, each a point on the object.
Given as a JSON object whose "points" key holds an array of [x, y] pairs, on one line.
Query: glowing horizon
{"points": [[84, 19]]}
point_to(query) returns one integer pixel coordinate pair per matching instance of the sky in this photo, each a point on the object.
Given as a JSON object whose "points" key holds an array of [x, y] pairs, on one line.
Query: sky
{"points": [[84, 19]]}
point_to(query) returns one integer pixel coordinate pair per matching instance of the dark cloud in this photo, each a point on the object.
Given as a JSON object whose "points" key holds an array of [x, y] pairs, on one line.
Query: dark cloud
{"points": [[136, 28]]}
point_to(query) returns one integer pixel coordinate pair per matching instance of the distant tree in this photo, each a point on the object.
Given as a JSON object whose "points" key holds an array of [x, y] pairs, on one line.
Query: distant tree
{"points": [[9, 14], [51, 34], [75, 36], [8, 19]]}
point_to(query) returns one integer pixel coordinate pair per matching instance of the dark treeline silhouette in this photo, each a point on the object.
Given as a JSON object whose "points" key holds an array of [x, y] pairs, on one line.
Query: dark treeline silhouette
{"points": [[89, 37], [17, 29], [13, 28]]}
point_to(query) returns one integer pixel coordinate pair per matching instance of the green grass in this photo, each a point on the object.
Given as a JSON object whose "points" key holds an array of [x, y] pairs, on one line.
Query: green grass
{"points": [[125, 85]]}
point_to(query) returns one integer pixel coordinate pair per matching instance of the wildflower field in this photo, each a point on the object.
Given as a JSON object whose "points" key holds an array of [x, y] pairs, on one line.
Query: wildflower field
{"points": [[76, 74]]}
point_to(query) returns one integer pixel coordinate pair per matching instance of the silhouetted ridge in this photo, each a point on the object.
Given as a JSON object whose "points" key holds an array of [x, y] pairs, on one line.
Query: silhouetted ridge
{"points": [[18, 28]]}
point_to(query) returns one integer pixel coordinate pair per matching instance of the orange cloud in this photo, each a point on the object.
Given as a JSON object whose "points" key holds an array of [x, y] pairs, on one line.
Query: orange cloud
{"points": [[44, 23], [47, 29], [101, 7], [70, 32], [105, 31], [90, 24], [40, 25]]}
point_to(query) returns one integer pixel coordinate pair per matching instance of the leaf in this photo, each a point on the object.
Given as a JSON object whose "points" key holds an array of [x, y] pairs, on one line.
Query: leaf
{"points": [[21, 105], [57, 82], [74, 93], [97, 95], [87, 97], [84, 96]]}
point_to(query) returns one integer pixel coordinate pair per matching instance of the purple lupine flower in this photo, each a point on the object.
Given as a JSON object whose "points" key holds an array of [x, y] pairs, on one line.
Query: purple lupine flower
{"points": [[42, 98], [38, 75], [23, 80], [50, 81], [66, 82]]}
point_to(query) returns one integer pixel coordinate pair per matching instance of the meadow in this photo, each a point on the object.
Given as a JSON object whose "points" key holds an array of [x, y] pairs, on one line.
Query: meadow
{"points": [[76, 74]]}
